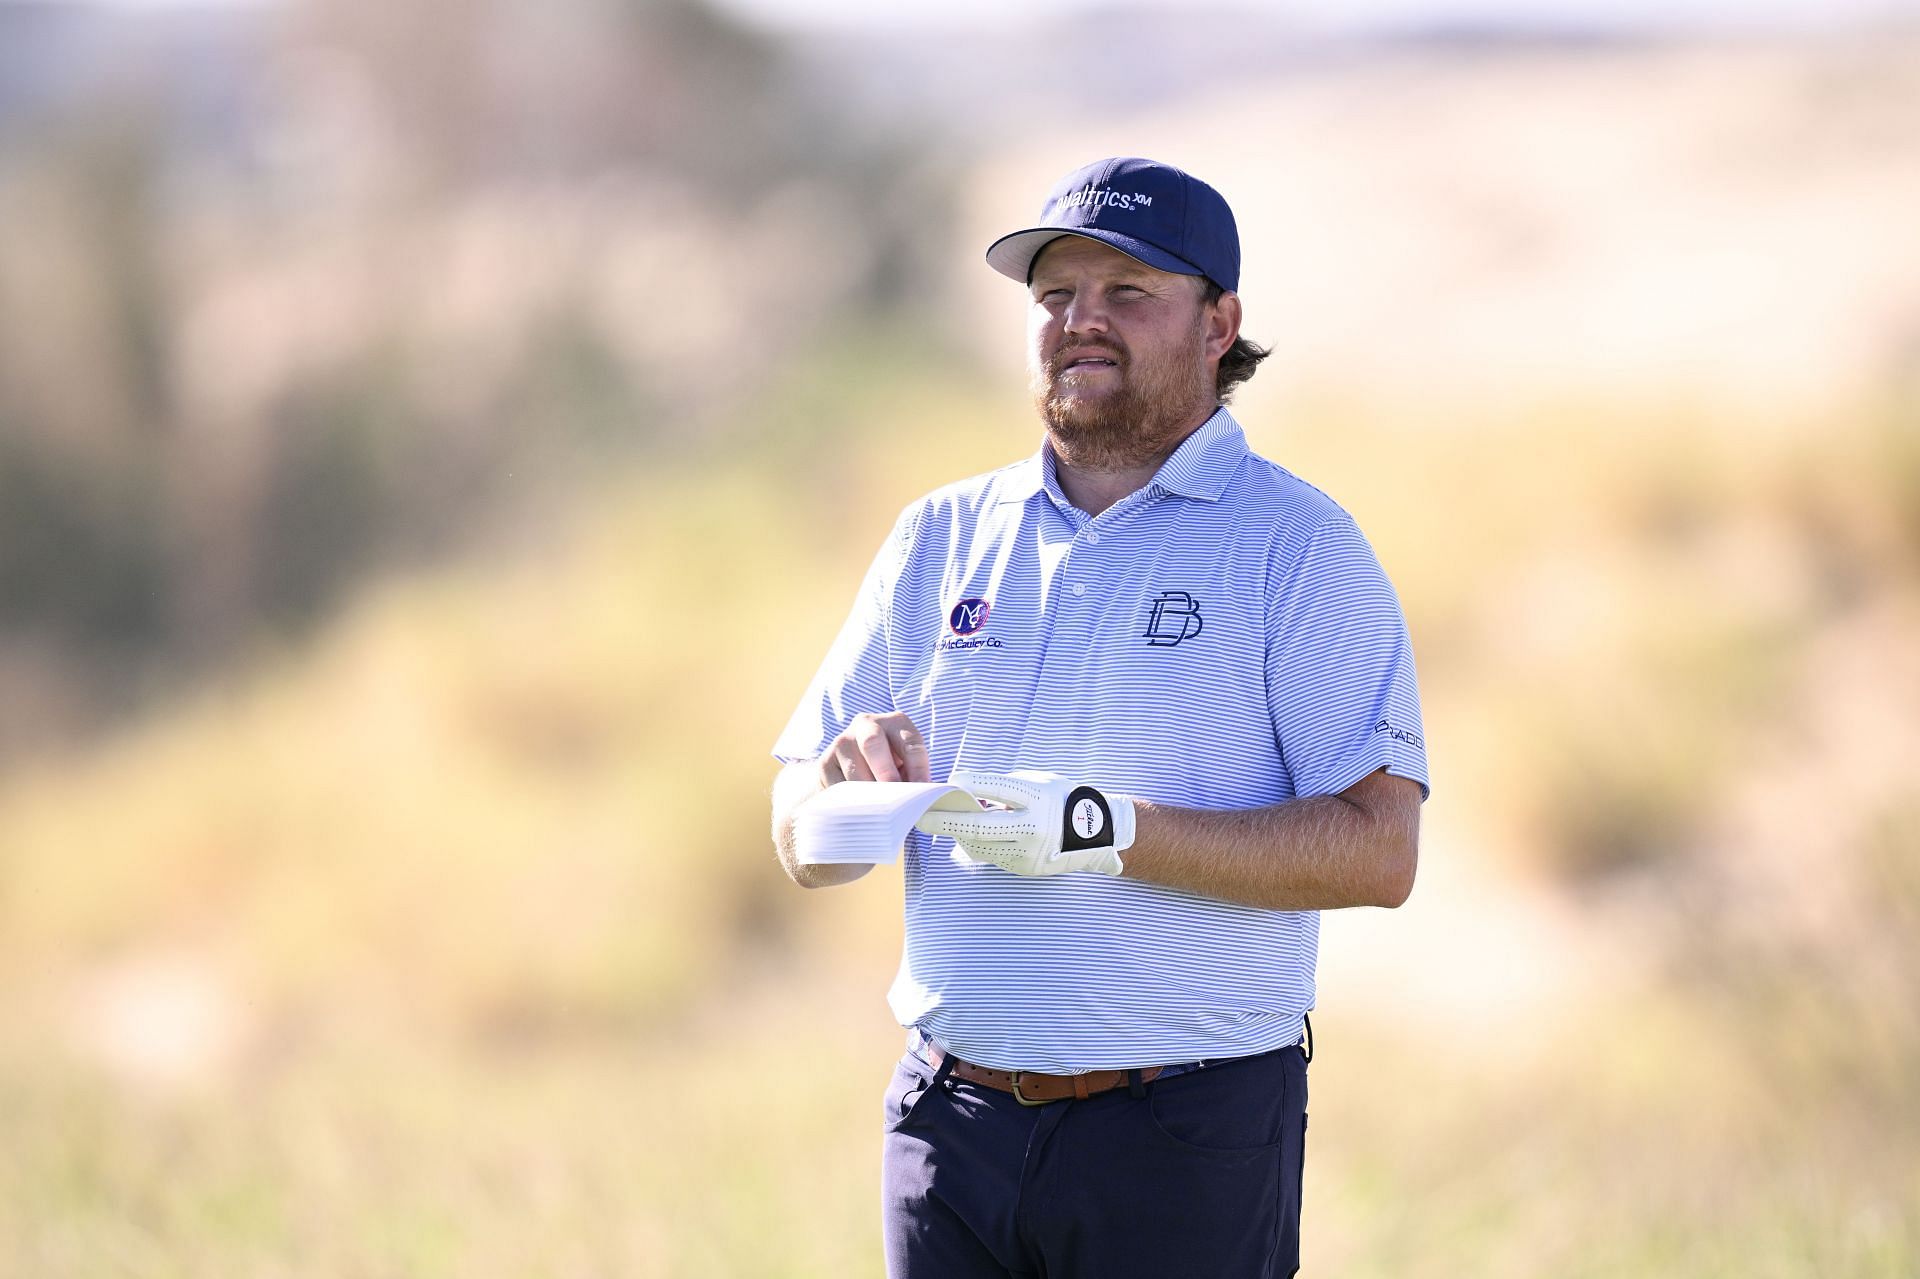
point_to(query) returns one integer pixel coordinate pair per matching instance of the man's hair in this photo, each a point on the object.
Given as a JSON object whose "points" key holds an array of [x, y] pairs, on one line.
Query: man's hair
{"points": [[1241, 359]]}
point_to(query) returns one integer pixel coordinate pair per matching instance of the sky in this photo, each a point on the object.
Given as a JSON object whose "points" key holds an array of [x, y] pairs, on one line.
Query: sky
{"points": [[1334, 16], [1360, 15]]}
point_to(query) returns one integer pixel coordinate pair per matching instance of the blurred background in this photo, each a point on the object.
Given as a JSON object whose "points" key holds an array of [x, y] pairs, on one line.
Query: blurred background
{"points": [[438, 441]]}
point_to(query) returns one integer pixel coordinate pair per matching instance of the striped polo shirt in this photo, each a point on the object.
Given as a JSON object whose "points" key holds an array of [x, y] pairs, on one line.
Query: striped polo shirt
{"points": [[1222, 638]]}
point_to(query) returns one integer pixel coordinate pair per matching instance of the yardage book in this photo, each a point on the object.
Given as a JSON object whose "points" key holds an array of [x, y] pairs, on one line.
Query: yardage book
{"points": [[867, 822]]}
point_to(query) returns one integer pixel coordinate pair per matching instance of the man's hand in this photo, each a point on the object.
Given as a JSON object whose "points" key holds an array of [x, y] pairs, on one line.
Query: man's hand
{"points": [[1050, 824], [885, 748], [875, 748]]}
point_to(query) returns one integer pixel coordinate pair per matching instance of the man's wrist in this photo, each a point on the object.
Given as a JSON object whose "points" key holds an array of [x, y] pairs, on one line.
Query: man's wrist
{"points": [[1125, 821]]}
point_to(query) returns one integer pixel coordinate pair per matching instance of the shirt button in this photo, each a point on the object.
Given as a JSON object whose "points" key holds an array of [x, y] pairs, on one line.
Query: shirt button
{"points": [[1093, 537], [1079, 588]]}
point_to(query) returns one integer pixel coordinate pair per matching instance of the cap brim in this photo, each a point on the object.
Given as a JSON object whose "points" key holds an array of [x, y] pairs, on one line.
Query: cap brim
{"points": [[1013, 255]]}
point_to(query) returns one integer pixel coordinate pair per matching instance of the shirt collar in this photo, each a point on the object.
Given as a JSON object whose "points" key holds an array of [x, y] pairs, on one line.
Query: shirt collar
{"points": [[1200, 468], [1204, 463], [1025, 478]]}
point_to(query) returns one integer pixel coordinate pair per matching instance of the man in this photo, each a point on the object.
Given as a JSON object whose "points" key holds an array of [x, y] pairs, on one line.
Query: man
{"points": [[1181, 676]]}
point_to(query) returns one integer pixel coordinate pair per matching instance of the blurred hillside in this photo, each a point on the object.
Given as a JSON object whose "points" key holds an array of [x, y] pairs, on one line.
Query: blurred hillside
{"points": [[424, 493], [453, 944], [1667, 226], [292, 295]]}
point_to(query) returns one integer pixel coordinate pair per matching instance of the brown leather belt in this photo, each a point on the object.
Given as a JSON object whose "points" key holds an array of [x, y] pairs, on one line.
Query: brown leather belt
{"points": [[1033, 1087]]}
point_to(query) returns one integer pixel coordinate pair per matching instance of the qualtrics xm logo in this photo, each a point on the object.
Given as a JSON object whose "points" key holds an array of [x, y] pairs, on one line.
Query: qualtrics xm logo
{"points": [[968, 616], [1105, 198], [1175, 617]]}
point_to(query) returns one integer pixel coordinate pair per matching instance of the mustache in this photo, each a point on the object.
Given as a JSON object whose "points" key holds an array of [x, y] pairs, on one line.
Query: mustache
{"points": [[1060, 359]]}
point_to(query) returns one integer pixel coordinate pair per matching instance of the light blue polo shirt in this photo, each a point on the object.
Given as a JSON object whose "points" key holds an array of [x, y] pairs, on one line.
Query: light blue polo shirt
{"points": [[1222, 638]]}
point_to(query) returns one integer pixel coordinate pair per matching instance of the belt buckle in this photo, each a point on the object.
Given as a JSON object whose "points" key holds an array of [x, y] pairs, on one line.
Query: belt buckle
{"points": [[1021, 1097]]}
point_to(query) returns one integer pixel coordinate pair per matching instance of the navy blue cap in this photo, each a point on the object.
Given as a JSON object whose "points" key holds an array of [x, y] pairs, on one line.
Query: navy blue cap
{"points": [[1165, 218]]}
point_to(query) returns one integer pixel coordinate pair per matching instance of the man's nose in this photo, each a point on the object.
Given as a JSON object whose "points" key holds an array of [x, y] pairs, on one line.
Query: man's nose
{"points": [[1085, 313]]}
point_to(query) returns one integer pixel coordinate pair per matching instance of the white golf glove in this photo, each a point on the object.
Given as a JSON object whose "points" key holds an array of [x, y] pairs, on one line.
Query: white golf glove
{"points": [[1050, 824]]}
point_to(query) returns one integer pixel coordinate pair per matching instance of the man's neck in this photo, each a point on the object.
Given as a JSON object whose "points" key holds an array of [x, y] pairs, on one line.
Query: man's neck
{"points": [[1094, 488]]}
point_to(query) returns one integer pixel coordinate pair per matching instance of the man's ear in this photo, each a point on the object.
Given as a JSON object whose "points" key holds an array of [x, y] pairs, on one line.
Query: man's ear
{"points": [[1223, 325]]}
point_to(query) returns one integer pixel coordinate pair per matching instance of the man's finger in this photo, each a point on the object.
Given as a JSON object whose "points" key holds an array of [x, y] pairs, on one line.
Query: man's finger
{"points": [[982, 827], [853, 767], [935, 822], [910, 751], [876, 751], [997, 787]]}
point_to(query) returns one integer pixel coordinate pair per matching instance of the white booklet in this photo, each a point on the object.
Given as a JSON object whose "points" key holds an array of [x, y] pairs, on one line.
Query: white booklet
{"points": [[867, 822]]}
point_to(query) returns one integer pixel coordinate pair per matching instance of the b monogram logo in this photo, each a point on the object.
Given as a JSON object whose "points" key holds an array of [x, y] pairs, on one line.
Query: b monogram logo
{"points": [[1175, 618]]}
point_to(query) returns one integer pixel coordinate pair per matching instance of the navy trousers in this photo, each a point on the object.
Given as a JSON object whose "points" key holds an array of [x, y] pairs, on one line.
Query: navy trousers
{"points": [[1199, 1177]]}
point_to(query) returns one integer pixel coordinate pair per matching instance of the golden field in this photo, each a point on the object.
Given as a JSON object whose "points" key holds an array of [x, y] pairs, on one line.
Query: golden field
{"points": [[450, 943], [436, 932]]}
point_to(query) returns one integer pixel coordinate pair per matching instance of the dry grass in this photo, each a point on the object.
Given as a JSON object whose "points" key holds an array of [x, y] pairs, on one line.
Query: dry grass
{"points": [[451, 945]]}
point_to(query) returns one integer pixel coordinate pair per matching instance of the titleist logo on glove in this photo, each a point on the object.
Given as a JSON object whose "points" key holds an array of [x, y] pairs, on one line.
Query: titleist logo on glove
{"points": [[1042, 824]]}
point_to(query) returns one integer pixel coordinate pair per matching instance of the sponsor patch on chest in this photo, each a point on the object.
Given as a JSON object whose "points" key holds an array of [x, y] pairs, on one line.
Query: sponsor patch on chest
{"points": [[1173, 618]]}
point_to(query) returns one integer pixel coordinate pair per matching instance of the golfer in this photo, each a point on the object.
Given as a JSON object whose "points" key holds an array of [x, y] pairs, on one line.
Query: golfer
{"points": [[1181, 684]]}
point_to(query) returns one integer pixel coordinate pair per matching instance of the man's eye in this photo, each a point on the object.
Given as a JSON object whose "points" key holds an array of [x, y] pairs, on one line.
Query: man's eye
{"points": [[1051, 295]]}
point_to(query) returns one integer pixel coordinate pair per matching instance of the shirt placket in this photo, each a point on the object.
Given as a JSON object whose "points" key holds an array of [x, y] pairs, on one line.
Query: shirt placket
{"points": [[1077, 598]]}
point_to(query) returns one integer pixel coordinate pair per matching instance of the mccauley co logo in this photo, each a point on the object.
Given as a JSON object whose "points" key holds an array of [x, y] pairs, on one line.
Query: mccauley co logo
{"points": [[966, 621], [952, 645], [1105, 197], [968, 616]]}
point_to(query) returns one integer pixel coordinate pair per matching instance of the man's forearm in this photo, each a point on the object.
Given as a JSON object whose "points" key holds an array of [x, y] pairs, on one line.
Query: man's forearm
{"points": [[1358, 848]]}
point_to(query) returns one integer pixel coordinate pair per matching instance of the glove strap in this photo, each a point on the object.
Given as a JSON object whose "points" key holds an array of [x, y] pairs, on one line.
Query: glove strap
{"points": [[1095, 819]]}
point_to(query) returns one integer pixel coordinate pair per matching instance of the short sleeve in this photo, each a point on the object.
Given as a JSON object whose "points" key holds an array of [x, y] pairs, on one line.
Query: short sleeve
{"points": [[1340, 679], [853, 680]]}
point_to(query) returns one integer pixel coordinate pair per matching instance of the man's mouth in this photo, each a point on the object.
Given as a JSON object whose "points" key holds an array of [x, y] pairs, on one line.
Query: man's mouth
{"points": [[1088, 361]]}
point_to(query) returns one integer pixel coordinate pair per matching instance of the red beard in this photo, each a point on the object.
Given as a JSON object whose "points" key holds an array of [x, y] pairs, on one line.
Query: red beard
{"points": [[1123, 426]]}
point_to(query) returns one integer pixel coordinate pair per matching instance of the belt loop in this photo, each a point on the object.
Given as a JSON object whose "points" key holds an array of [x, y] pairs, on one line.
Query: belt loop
{"points": [[943, 1061], [1135, 1088], [1308, 1022]]}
